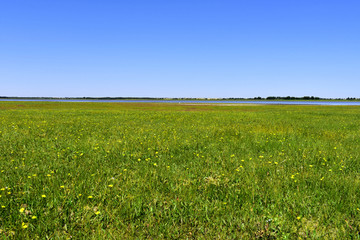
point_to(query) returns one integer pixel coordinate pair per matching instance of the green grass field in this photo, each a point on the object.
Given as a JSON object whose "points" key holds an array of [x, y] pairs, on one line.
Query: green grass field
{"points": [[173, 171]]}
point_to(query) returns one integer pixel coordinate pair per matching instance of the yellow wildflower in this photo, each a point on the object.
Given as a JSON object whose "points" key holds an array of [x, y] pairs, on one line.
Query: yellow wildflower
{"points": [[24, 226]]}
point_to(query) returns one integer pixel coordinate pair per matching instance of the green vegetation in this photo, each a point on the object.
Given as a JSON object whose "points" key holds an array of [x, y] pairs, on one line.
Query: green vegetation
{"points": [[270, 98], [136, 170]]}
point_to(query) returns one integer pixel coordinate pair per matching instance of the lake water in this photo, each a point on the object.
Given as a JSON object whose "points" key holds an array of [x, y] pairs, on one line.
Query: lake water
{"points": [[346, 103]]}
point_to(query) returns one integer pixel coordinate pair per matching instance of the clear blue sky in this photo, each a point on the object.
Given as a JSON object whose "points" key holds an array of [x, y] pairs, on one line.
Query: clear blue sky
{"points": [[180, 48]]}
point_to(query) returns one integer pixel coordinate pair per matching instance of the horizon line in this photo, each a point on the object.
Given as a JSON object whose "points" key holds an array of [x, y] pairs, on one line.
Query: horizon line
{"points": [[194, 98]]}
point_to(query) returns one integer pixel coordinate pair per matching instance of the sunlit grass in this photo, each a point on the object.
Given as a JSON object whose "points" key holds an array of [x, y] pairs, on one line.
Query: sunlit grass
{"points": [[108, 170]]}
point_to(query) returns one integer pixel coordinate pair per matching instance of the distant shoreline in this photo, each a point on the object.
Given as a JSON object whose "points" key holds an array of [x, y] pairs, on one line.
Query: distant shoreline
{"points": [[186, 99]]}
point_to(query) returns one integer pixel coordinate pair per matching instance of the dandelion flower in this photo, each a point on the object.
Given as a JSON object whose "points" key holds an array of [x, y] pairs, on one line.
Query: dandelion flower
{"points": [[43, 196], [33, 217], [62, 186], [110, 185], [22, 210], [90, 196], [24, 226], [298, 218], [97, 213]]}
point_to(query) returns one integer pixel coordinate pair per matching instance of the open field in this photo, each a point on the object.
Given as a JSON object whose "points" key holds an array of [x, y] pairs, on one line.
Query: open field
{"points": [[148, 170]]}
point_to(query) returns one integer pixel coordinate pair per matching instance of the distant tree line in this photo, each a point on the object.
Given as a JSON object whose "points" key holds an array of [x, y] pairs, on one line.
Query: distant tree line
{"points": [[312, 98], [308, 98], [294, 98]]}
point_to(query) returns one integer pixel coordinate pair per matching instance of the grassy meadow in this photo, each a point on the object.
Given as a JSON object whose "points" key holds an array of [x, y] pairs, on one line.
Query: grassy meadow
{"points": [[177, 171]]}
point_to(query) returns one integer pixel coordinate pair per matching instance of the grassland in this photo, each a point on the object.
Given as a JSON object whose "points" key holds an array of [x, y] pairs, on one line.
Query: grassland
{"points": [[172, 171]]}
